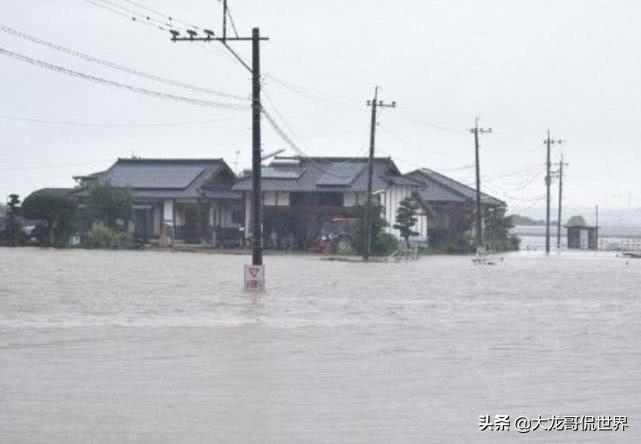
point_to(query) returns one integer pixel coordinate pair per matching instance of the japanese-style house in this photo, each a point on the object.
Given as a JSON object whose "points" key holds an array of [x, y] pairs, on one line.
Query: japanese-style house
{"points": [[302, 193], [452, 206], [176, 200]]}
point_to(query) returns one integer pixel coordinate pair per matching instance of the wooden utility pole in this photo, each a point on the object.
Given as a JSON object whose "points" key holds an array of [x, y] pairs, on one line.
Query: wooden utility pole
{"points": [[559, 225], [597, 226], [257, 244], [375, 104], [479, 216], [257, 232], [548, 182]]}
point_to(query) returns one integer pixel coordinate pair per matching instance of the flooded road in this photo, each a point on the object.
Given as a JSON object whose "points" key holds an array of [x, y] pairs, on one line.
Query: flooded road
{"points": [[165, 347]]}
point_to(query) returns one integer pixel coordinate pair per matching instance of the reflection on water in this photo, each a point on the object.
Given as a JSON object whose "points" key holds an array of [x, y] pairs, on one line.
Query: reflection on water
{"points": [[166, 347]]}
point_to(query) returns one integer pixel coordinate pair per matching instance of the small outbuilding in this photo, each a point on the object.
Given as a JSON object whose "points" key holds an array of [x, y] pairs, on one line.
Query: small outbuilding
{"points": [[582, 236]]}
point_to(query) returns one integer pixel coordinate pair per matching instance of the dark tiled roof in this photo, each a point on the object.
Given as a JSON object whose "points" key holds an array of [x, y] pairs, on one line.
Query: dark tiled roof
{"points": [[167, 178], [440, 188], [338, 174]]}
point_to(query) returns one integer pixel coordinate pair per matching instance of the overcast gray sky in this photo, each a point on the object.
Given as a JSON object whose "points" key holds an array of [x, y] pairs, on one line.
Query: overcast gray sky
{"points": [[523, 66]]}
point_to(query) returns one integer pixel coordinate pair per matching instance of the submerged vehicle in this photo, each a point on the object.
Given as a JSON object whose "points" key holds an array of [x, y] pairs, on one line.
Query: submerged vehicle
{"points": [[335, 236]]}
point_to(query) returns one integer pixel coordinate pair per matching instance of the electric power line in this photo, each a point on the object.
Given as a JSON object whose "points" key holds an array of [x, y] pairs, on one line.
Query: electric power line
{"points": [[293, 145], [116, 66], [162, 14], [133, 14], [110, 125], [121, 13], [131, 88]]}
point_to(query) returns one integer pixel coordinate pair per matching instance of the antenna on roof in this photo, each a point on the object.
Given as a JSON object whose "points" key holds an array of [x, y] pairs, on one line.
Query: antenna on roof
{"points": [[270, 155]]}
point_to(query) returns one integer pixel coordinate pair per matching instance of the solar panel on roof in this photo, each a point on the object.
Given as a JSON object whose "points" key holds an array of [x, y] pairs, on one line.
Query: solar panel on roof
{"points": [[340, 174], [281, 173], [154, 176]]}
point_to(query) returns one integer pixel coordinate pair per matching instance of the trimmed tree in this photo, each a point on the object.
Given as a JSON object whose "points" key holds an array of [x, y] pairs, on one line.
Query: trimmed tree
{"points": [[57, 213], [406, 218], [111, 205]]}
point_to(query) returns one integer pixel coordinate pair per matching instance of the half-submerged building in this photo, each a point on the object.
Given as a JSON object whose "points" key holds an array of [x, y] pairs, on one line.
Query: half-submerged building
{"points": [[300, 194], [452, 206], [176, 200]]}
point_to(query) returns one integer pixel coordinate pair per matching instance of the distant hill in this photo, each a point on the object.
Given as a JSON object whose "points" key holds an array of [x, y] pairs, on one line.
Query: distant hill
{"points": [[527, 221], [611, 217]]}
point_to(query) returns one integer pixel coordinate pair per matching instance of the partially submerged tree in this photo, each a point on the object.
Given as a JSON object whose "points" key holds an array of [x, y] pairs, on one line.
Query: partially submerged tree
{"points": [[57, 213], [406, 218], [111, 205], [381, 242], [13, 230], [497, 230]]}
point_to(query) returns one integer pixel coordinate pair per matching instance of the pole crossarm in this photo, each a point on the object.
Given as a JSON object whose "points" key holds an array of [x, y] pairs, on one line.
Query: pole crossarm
{"points": [[256, 201], [215, 39]]}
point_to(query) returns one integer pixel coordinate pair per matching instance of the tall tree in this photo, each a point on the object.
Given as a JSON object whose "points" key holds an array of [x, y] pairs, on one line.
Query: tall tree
{"points": [[497, 228], [56, 211], [13, 230], [406, 218], [111, 205]]}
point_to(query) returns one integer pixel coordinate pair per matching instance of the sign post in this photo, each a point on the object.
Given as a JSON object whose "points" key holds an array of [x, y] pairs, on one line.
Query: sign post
{"points": [[254, 277]]}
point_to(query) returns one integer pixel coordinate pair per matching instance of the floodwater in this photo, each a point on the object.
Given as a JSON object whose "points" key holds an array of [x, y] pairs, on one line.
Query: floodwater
{"points": [[162, 347]]}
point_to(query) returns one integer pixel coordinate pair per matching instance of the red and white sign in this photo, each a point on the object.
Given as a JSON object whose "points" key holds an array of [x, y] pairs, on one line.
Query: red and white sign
{"points": [[254, 277]]}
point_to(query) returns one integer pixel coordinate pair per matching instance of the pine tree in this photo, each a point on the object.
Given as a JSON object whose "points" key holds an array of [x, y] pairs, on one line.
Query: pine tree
{"points": [[13, 232], [406, 218]]}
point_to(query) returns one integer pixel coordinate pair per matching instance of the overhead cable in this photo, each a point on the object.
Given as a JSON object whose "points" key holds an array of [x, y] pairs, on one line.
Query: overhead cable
{"points": [[117, 66], [131, 88]]}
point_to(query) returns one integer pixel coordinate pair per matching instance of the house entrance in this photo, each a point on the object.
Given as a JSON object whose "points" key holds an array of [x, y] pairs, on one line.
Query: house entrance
{"points": [[195, 225]]}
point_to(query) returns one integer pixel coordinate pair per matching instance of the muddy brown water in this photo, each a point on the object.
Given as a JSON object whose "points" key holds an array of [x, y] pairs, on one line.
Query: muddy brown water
{"points": [[99, 346]]}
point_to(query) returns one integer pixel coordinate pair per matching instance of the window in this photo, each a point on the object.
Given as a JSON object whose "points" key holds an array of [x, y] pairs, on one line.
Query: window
{"points": [[330, 199]]}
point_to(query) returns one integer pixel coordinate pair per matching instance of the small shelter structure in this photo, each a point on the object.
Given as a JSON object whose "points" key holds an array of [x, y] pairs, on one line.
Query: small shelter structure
{"points": [[582, 236]]}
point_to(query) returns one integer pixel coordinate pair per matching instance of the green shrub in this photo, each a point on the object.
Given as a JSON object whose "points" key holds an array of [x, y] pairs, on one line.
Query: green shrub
{"points": [[384, 244], [515, 242], [102, 236]]}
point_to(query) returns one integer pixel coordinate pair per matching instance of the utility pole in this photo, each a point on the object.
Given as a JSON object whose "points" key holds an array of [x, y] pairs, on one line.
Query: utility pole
{"points": [[224, 22], [257, 245], [597, 227], [559, 226], [375, 104], [548, 182], [479, 221]]}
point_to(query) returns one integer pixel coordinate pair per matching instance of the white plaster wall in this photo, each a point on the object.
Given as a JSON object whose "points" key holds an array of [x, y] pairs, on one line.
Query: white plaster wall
{"points": [[391, 200], [276, 199], [283, 199], [168, 211], [269, 199], [349, 199]]}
